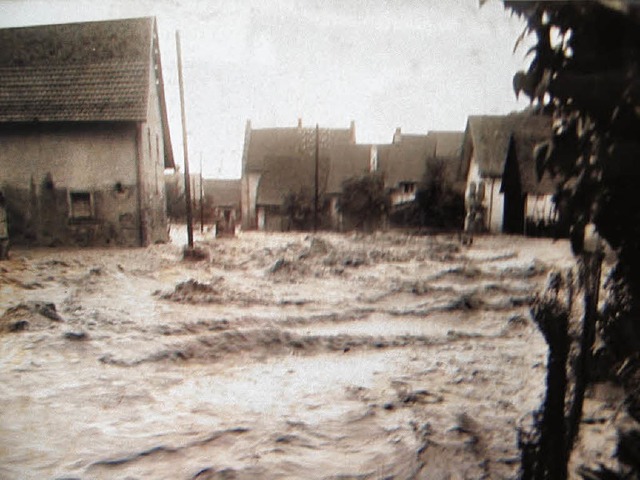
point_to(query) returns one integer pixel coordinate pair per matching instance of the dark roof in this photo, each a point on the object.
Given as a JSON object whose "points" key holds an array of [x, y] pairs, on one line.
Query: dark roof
{"points": [[449, 151], [489, 138], [295, 141], [92, 71], [105, 91], [288, 174], [405, 160], [286, 159], [524, 143], [347, 161], [448, 144], [223, 193], [81, 72]]}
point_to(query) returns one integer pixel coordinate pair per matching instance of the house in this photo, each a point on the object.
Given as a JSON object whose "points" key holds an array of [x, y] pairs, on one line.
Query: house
{"points": [[346, 161], [222, 198], [278, 162], [84, 133], [404, 164], [501, 171], [529, 200]]}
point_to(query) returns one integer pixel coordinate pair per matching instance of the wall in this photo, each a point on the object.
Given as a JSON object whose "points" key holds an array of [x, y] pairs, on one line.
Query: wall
{"points": [[269, 218], [250, 182], [151, 152], [41, 165], [493, 200]]}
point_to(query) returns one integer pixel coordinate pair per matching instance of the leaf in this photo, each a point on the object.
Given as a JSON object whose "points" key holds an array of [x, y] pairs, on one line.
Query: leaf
{"points": [[520, 38], [542, 152]]}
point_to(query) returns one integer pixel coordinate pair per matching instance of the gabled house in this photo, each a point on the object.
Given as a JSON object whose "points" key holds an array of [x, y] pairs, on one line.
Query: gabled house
{"points": [[222, 198], [277, 162], [404, 164], [84, 133], [501, 171]]}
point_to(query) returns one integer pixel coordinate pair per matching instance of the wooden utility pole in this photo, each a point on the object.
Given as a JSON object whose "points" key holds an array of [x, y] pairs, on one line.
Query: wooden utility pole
{"points": [[185, 148], [201, 197], [315, 194]]}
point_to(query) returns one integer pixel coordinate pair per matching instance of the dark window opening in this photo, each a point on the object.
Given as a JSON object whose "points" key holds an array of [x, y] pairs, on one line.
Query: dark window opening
{"points": [[119, 187], [48, 182], [80, 205], [408, 187]]}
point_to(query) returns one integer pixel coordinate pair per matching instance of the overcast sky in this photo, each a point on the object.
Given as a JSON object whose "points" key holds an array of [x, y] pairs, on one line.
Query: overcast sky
{"points": [[417, 64]]}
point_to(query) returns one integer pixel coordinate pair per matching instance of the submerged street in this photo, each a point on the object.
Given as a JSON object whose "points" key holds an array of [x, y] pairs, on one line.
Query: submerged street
{"points": [[279, 356]]}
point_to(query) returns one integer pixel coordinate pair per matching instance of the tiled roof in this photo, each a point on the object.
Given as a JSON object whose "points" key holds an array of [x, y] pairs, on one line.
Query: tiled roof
{"points": [[105, 91], [94, 71]]}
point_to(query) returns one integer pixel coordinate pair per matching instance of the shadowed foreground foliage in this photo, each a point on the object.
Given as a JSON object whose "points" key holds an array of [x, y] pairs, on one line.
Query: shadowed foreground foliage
{"points": [[585, 71]]}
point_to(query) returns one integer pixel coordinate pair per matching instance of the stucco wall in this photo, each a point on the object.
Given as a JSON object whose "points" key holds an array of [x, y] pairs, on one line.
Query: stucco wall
{"points": [[493, 200], [249, 186], [42, 165], [153, 200], [541, 208]]}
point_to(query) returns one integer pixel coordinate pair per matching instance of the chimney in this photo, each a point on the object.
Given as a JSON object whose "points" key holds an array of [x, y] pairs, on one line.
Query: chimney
{"points": [[398, 135], [352, 128], [247, 139], [299, 122]]}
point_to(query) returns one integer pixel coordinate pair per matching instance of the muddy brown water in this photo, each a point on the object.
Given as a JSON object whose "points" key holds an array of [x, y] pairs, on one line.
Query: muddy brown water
{"points": [[417, 361]]}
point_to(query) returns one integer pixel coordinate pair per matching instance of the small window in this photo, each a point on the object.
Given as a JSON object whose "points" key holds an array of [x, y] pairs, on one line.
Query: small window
{"points": [[408, 187], [80, 205]]}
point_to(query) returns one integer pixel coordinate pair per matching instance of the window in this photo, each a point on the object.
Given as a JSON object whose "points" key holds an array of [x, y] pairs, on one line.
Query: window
{"points": [[80, 205], [408, 187]]}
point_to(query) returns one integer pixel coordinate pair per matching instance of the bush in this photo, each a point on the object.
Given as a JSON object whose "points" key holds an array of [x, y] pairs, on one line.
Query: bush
{"points": [[364, 202]]}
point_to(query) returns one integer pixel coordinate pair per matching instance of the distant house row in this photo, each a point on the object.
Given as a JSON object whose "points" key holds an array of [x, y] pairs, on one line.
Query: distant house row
{"points": [[491, 163], [281, 161]]}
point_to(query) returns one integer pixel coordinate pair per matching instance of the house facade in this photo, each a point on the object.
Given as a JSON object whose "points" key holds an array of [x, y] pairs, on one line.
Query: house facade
{"points": [[282, 161], [84, 134]]}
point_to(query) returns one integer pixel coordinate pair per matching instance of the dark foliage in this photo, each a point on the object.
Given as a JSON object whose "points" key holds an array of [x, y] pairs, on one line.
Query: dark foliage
{"points": [[440, 206], [298, 208], [363, 201], [585, 71]]}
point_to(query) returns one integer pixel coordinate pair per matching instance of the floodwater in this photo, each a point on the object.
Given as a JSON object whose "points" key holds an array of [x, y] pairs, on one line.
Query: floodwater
{"points": [[282, 356]]}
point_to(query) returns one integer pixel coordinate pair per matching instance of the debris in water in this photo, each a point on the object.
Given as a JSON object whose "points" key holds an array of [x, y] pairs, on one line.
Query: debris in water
{"points": [[29, 314]]}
